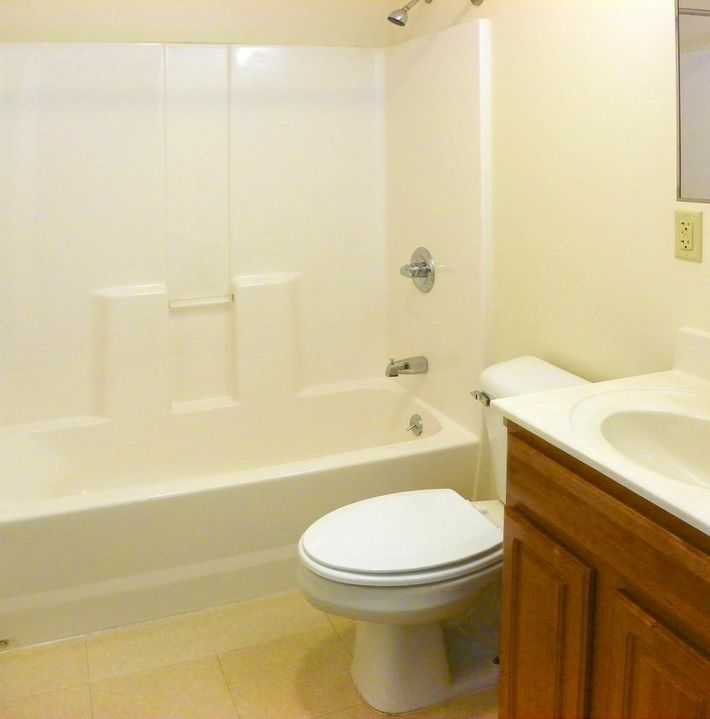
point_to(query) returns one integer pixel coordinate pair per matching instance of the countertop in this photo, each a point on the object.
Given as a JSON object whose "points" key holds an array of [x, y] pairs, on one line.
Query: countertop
{"points": [[561, 418]]}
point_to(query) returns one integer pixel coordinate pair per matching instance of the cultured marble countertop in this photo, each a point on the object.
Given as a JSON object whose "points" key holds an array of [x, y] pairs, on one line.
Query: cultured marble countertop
{"points": [[569, 420]]}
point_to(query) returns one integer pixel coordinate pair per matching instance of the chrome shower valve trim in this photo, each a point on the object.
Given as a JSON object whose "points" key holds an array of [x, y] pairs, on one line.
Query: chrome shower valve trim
{"points": [[421, 269]]}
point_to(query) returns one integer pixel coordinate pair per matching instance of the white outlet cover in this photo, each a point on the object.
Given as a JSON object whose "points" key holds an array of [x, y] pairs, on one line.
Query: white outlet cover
{"points": [[689, 236]]}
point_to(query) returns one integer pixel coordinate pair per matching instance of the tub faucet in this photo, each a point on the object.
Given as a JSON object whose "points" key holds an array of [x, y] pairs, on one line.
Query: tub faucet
{"points": [[410, 365]]}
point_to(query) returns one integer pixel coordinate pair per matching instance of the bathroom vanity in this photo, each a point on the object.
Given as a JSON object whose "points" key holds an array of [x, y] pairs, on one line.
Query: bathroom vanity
{"points": [[606, 595]]}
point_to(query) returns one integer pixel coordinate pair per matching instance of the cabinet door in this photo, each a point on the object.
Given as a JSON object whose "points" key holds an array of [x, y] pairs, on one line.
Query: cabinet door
{"points": [[653, 673], [547, 613]]}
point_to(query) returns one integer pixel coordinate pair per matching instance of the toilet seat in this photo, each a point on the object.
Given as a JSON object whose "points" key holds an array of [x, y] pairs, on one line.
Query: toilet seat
{"points": [[402, 539], [409, 579]]}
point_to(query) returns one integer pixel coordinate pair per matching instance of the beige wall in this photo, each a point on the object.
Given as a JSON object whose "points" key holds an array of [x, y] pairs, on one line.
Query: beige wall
{"points": [[276, 22], [583, 153], [584, 187], [584, 171]]}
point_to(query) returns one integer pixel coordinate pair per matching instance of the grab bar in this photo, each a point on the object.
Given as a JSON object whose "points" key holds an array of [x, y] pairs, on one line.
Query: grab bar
{"points": [[200, 302]]}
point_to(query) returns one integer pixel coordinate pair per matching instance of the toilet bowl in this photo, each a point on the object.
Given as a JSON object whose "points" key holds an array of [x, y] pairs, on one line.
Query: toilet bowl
{"points": [[400, 565], [420, 574]]}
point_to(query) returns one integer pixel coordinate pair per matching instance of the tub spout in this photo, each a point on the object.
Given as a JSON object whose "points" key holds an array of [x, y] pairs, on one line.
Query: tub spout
{"points": [[410, 365]]}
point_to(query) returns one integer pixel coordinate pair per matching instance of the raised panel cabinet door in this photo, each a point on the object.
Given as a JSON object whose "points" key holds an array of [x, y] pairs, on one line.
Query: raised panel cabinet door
{"points": [[653, 672], [546, 623]]}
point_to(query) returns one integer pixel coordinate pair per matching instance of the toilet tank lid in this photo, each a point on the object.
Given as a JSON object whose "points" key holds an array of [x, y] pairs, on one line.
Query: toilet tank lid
{"points": [[524, 375]]}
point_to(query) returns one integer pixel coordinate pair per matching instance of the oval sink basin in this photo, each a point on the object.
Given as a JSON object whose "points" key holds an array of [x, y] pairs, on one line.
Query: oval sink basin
{"points": [[664, 431], [675, 445]]}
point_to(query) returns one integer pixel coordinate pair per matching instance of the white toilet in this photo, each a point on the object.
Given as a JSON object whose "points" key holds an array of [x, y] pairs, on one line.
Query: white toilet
{"points": [[420, 573]]}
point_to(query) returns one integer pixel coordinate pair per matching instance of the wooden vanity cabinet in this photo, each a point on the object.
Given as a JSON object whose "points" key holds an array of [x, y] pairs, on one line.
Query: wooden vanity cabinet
{"points": [[606, 597]]}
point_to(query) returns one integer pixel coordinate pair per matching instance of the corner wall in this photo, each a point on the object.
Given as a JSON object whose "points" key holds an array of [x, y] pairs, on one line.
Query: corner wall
{"points": [[584, 172], [584, 188], [434, 199]]}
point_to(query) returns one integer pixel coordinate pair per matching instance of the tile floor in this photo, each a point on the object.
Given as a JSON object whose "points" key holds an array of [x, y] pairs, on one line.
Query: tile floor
{"points": [[271, 658]]}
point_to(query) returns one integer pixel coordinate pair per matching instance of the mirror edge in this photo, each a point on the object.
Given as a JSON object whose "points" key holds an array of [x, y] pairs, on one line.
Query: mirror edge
{"points": [[679, 193]]}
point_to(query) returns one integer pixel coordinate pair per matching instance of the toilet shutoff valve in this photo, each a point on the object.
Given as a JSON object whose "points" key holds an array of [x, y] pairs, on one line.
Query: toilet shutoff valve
{"points": [[482, 397]]}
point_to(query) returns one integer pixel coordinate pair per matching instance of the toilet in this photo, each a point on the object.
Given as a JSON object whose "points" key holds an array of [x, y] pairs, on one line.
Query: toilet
{"points": [[420, 572]]}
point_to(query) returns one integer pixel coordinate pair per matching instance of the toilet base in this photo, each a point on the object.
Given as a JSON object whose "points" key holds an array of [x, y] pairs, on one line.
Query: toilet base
{"points": [[398, 668]]}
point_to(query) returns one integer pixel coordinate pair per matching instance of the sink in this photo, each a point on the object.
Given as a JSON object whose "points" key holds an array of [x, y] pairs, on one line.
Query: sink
{"points": [[649, 433], [671, 444], [664, 431]]}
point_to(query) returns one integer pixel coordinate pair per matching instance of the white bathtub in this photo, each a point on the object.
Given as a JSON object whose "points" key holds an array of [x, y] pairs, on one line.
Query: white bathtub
{"points": [[104, 523]]}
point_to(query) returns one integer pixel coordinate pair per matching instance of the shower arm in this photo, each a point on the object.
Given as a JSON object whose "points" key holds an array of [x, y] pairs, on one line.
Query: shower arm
{"points": [[399, 17], [412, 3]]}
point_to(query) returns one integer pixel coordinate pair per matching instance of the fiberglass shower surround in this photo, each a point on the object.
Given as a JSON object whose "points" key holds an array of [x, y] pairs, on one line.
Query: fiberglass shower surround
{"points": [[202, 174], [186, 382]]}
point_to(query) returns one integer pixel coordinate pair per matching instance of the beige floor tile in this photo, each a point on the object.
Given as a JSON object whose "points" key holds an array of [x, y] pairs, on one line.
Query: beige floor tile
{"points": [[345, 629], [361, 711], [192, 690], [482, 705], [63, 704], [43, 669], [339, 622], [294, 678], [199, 634]]}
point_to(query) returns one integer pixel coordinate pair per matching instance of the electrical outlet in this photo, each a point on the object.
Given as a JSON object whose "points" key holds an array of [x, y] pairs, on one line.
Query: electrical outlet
{"points": [[686, 235], [689, 236]]}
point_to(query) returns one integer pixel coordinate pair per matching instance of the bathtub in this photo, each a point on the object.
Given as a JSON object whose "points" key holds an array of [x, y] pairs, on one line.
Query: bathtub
{"points": [[104, 523]]}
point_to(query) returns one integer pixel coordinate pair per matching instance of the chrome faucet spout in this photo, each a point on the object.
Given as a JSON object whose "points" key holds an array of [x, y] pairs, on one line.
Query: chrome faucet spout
{"points": [[409, 365]]}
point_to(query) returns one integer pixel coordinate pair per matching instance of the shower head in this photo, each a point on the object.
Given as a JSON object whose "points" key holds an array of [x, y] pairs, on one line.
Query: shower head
{"points": [[399, 17]]}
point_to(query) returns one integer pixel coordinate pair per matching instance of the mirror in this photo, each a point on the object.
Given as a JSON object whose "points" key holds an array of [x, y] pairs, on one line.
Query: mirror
{"points": [[693, 41]]}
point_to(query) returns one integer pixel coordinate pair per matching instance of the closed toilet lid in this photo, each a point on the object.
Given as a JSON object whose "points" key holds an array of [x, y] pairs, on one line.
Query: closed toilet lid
{"points": [[407, 532]]}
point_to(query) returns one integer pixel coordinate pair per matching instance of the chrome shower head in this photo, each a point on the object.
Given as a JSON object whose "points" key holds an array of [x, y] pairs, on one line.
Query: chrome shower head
{"points": [[399, 17]]}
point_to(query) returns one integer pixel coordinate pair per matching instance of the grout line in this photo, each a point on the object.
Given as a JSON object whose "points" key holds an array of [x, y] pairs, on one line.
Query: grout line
{"points": [[332, 623], [338, 634], [91, 700], [88, 661], [229, 688], [88, 678]]}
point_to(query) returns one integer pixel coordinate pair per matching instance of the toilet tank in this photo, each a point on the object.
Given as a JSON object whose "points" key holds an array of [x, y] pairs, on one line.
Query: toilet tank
{"points": [[522, 375]]}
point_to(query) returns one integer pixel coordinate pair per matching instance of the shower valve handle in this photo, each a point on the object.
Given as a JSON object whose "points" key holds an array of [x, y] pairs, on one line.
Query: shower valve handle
{"points": [[416, 269], [420, 270]]}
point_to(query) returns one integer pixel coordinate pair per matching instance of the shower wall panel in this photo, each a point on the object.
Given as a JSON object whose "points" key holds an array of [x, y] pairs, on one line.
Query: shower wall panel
{"points": [[436, 167], [309, 195], [137, 179], [81, 182], [202, 340], [197, 170]]}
